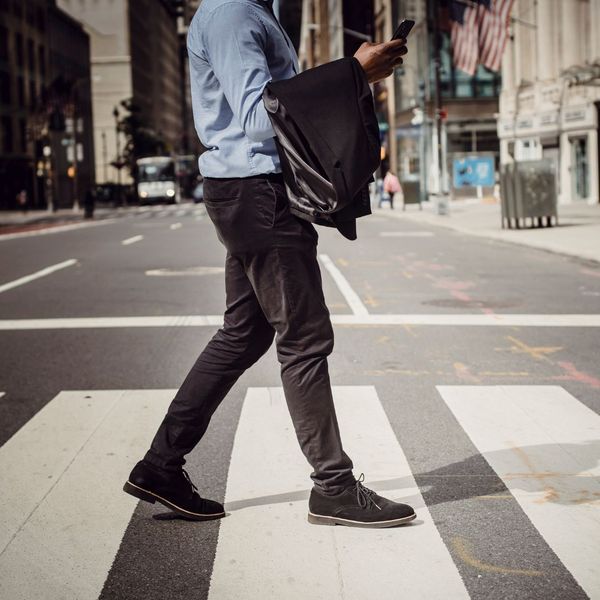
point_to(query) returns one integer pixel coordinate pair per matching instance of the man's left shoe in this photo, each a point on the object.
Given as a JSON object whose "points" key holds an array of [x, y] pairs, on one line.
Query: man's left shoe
{"points": [[174, 490], [357, 506]]}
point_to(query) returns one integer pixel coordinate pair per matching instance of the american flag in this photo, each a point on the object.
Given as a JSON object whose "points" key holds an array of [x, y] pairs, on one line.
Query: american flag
{"points": [[479, 32]]}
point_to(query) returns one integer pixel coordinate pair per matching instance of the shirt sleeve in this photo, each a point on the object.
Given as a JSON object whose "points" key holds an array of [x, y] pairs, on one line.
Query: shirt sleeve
{"points": [[235, 40]]}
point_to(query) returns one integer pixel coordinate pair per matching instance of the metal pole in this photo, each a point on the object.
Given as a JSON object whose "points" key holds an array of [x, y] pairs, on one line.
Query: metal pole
{"points": [[423, 196], [116, 115], [104, 157], [442, 204], [437, 61], [75, 166]]}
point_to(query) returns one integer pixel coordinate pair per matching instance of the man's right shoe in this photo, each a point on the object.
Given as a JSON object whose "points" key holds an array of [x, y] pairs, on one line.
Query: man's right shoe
{"points": [[173, 490], [357, 506]]}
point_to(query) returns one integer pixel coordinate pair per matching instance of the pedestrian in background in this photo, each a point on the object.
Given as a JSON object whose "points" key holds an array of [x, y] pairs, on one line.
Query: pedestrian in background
{"points": [[22, 201], [89, 203], [391, 186]]}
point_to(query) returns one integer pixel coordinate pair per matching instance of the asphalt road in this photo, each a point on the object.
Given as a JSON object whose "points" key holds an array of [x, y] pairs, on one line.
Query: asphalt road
{"points": [[494, 413]]}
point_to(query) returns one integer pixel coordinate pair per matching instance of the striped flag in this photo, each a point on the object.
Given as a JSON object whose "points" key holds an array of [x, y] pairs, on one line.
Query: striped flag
{"points": [[479, 33]]}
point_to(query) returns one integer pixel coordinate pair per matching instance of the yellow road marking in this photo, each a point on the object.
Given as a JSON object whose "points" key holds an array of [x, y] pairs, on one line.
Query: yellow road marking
{"points": [[464, 551], [537, 353]]}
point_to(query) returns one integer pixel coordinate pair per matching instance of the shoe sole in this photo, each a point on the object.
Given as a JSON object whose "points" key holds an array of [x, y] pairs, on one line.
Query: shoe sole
{"points": [[151, 497], [324, 520]]}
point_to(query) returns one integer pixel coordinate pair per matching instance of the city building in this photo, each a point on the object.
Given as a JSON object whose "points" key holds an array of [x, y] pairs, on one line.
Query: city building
{"points": [[332, 29], [72, 144], [45, 112], [406, 101], [550, 101], [135, 55], [23, 73]]}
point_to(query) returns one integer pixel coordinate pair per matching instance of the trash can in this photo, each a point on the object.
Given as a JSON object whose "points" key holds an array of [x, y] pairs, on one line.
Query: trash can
{"points": [[529, 192], [411, 192]]}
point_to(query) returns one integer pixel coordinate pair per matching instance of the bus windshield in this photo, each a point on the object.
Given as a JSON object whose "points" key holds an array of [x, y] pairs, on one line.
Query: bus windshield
{"points": [[156, 172]]}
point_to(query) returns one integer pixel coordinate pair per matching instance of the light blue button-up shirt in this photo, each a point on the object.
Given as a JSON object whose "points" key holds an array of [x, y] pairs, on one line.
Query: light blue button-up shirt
{"points": [[235, 48]]}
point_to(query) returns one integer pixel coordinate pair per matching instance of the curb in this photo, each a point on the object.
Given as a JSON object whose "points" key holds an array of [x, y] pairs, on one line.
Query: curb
{"points": [[490, 235]]}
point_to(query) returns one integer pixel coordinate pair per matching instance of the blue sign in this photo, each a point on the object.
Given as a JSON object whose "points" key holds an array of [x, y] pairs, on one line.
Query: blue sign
{"points": [[473, 171]]}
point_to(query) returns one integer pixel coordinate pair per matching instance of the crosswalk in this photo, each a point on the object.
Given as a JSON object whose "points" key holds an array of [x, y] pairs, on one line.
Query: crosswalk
{"points": [[161, 211], [63, 515]]}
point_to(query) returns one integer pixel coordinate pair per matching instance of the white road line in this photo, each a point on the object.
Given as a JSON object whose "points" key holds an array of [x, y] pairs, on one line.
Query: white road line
{"points": [[411, 234], [544, 444], [186, 272], [477, 320], [281, 556], [175, 226], [351, 297], [62, 510], [2, 394], [42, 273], [57, 229], [132, 240]]}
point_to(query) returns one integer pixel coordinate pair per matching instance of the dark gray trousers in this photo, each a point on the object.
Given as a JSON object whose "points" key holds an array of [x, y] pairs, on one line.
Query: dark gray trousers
{"points": [[273, 287]]}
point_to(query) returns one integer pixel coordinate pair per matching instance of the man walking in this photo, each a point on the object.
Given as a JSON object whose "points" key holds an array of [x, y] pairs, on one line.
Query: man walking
{"points": [[272, 278]]}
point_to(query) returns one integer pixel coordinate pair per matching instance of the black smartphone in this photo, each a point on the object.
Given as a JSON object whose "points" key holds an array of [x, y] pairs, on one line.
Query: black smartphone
{"points": [[403, 29]]}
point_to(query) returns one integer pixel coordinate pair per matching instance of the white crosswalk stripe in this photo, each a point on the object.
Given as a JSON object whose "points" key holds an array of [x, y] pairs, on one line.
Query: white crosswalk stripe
{"points": [[62, 511], [280, 555], [545, 446]]}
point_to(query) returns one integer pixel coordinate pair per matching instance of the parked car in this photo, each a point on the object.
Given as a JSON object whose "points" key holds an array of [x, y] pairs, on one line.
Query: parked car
{"points": [[198, 193]]}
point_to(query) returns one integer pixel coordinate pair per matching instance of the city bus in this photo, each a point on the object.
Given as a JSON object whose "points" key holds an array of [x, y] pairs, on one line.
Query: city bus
{"points": [[156, 180]]}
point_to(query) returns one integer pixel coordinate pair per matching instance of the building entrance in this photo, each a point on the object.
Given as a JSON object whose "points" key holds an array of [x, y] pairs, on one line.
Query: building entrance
{"points": [[580, 172]]}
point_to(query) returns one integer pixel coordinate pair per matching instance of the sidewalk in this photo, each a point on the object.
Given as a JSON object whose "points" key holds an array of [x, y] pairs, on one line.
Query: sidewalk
{"points": [[578, 233], [16, 221]]}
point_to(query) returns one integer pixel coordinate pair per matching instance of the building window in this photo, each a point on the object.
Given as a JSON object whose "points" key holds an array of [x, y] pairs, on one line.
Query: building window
{"points": [[41, 19], [23, 134], [32, 94], [7, 137], [42, 61], [5, 95], [19, 49], [457, 84], [3, 43], [31, 56], [21, 91]]}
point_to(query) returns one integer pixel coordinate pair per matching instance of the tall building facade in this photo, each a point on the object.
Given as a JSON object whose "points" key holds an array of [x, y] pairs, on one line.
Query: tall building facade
{"points": [[406, 100], [134, 55], [45, 112], [23, 74], [72, 145], [550, 102]]}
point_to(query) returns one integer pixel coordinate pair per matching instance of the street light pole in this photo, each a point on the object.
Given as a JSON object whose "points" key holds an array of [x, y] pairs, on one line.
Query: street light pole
{"points": [[104, 158], [442, 206], [118, 161]]}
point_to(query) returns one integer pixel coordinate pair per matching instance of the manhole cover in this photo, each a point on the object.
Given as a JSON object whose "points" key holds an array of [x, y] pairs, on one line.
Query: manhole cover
{"points": [[456, 303]]}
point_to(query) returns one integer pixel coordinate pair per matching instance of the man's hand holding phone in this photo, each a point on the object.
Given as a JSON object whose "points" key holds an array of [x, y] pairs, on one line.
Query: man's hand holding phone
{"points": [[379, 60]]}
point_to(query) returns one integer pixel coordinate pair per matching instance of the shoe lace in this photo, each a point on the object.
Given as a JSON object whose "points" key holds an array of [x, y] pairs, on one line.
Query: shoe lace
{"points": [[187, 478], [364, 495]]}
